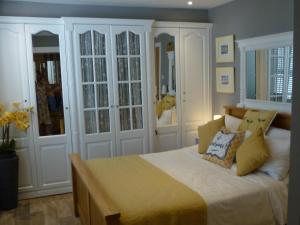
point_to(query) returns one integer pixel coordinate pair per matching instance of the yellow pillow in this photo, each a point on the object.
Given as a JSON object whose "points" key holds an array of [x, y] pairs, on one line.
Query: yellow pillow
{"points": [[223, 148], [253, 120], [252, 154], [207, 132], [168, 102], [159, 109]]}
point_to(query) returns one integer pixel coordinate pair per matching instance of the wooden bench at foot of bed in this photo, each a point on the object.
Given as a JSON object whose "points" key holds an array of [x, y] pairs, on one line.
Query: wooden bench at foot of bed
{"points": [[90, 202]]}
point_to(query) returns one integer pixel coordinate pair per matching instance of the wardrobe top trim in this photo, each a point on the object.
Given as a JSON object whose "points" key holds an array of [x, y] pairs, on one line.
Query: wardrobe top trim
{"points": [[31, 20], [167, 24], [70, 21]]}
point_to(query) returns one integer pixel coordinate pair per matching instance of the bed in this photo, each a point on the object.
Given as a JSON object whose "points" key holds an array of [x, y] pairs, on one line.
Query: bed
{"points": [[254, 199]]}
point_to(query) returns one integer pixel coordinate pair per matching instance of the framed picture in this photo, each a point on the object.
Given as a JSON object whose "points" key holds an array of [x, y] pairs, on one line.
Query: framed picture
{"points": [[225, 79], [225, 49]]}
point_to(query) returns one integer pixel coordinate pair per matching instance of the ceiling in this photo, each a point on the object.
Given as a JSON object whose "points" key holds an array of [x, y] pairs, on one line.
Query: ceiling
{"points": [[197, 4]]}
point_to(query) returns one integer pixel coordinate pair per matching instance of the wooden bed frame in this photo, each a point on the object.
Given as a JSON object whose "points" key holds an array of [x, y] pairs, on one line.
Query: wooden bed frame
{"points": [[95, 207]]}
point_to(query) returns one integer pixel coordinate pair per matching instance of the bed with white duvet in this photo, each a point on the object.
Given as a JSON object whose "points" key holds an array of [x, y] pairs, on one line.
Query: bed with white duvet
{"points": [[255, 199]]}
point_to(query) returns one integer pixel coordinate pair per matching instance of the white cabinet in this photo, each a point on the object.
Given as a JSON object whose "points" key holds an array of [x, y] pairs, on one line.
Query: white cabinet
{"points": [[189, 90], [111, 87], [14, 88], [33, 72]]}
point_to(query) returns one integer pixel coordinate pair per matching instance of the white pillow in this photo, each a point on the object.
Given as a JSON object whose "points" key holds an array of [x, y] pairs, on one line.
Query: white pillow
{"points": [[165, 118], [232, 123], [278, 165], [279, 133]]}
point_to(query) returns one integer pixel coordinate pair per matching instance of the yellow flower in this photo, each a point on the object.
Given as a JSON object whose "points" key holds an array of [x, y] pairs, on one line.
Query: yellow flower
{"points": [[16, 105], [3, 121], [2, 108], [22, 126]]}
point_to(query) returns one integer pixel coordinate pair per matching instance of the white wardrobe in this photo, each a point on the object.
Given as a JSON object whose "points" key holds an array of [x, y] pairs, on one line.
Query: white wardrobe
{"points": [[189, 44], [91, 83]]}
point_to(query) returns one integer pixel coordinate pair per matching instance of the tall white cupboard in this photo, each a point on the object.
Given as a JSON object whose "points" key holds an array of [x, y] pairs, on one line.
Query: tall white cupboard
{"points": [[91, 84]]}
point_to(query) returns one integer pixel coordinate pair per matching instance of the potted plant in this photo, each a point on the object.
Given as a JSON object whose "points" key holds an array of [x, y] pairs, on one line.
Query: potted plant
{"points": [[9, 162]]}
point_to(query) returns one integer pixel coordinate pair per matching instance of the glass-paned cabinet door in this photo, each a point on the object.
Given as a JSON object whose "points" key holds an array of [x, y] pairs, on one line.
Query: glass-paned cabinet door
{"points": [[94, 81], [129, 79]]}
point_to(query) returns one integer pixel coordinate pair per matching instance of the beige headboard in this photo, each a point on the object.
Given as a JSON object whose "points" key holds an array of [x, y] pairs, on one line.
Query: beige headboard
{"points": [[282, 120]]}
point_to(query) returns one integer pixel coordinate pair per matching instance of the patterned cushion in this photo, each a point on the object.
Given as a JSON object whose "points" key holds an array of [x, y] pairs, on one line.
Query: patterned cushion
{"points": [[207, 132], [254, 120], [223, 148]]}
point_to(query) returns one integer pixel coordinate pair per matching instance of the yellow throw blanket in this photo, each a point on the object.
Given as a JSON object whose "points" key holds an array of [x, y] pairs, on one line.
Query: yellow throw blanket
{"points": [[145, 195]]}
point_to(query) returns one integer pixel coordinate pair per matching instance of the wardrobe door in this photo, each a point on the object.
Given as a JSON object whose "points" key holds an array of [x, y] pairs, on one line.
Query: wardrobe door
{"points": [[128, 47], [167, 89], [14, 88], [94, 85], [48, 82], [194, 62]]}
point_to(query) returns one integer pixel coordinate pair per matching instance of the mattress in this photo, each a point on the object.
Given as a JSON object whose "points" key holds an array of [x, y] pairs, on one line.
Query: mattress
{"points": [[256, 199]]}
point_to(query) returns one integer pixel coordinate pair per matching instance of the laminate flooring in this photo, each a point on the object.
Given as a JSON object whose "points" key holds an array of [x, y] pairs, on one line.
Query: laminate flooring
{"points": [[52, 210]]}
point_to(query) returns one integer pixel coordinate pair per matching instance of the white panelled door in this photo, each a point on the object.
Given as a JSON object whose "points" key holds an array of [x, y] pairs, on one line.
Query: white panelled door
{"points": [[93, 62], [194, 53], [14, 88], [47, 76], [129, 73]]}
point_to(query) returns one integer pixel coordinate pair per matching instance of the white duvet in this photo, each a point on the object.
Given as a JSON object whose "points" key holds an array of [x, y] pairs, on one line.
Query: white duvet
{"points": [[256, 199]]}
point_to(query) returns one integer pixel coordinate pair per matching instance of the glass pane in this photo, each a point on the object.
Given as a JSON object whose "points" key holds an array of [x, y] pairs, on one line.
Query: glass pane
{"points": [[135, 69], [48, 86], [137, 118], [87, 70], [90, 122], [99, 43], [85, 43], [102, 95], [121, 43], [123, 94], [125, 119], [122, 69], [100, 69], [104, 125], [134, 43], [88, 96], [136, 94]]}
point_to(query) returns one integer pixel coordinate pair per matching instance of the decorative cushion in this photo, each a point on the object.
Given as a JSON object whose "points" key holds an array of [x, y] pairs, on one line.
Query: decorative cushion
{"points": [[207, 132], [252, 154], [168, 102], [278, 165], [159, 109], [253, 120], [232, 123], [223, 147]]}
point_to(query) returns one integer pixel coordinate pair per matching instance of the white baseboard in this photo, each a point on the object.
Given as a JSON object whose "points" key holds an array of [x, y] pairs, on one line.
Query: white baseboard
{"points": [[44, 192]]}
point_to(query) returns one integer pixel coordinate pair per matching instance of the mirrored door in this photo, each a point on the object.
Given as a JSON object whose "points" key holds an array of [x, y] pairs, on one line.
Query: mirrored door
{"points": [[167, 89], [49, 98]]}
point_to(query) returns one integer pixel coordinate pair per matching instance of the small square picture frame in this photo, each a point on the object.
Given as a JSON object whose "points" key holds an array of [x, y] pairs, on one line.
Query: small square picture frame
{"points": [[225, 80], [225, 49]]}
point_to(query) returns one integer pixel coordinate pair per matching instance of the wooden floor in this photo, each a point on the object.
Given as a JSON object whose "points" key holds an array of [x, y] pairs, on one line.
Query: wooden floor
{"points": [[52, 210]]}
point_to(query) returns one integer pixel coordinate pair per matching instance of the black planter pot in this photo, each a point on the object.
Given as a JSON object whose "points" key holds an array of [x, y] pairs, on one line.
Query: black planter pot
{"points": [[9, 174]]}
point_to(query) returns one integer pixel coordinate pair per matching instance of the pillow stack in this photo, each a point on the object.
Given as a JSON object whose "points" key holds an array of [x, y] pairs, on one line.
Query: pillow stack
{"points": [[245, 139]]}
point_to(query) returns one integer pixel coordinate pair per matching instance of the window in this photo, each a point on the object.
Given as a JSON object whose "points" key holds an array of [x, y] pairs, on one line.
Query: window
{"points": [[281, 74]]}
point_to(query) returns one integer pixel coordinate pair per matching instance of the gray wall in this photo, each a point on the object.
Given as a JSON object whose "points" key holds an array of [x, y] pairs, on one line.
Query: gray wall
{"points": [[294, 187], [245, 19], [54, 10]]}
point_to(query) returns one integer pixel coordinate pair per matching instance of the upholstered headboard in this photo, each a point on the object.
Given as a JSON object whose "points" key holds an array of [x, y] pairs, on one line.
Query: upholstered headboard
{"points": [[282, 120]]}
